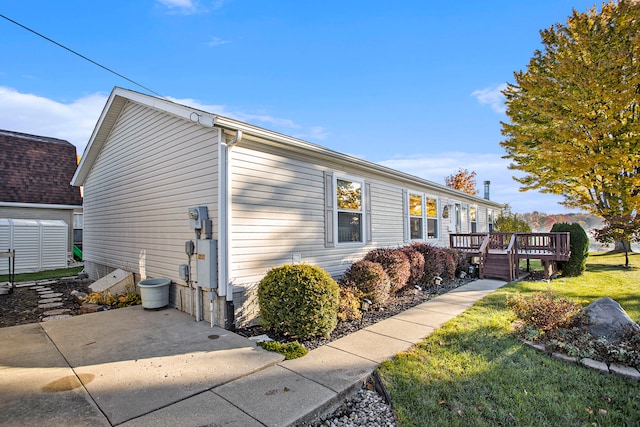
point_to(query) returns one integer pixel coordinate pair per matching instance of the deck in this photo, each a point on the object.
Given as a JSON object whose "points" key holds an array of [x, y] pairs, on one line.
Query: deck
{"points": [[499, 254]]}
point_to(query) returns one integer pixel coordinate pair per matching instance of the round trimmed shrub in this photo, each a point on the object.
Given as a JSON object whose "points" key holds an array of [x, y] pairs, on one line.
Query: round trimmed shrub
{"points": [[395, 264], [299, 301], [579, 242], [416, 262], [432, 266], [460, 258], [370, 279], [447, 265]]}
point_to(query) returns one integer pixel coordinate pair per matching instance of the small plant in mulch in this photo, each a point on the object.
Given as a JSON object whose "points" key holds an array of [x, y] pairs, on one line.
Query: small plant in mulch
{"points": [[562, 326], [106, 299], [290, 350]]}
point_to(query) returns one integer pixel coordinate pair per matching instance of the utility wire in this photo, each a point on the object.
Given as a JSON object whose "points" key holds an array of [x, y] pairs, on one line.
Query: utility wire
{"points": [[80, 55]]}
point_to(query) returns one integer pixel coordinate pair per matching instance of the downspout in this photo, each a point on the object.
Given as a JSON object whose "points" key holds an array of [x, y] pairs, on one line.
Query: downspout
{"points": [[224, 230]]}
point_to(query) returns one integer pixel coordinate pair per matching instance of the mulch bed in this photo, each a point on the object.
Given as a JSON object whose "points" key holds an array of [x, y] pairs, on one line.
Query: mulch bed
{"points": [[21, 306], [402, 301]]}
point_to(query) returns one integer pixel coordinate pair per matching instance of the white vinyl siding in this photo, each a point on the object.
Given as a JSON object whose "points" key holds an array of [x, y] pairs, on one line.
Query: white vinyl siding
{"points": [[152, 168]]}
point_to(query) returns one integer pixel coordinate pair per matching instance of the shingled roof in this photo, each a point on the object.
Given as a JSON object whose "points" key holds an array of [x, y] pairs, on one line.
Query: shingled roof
{"points": [[37, 169]]}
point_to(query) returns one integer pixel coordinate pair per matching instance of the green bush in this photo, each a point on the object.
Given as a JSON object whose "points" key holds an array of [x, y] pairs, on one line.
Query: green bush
{"points": [[349, 308], [299, 301], [395, 264], [369, 278], [577, 262], [544, 310], [416, 262], [290, 350]]}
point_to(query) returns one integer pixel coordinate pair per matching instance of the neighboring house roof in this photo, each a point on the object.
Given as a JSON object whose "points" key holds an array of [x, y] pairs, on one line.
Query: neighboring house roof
{"points": [[37, 170], [119, 98]]}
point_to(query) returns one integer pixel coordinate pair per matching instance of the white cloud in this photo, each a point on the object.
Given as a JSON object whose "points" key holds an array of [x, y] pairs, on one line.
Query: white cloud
{"points": [[216, 41], [488, 167], [33, 114], [184, 7], [189, 7], [492, 96], [74, 121]]}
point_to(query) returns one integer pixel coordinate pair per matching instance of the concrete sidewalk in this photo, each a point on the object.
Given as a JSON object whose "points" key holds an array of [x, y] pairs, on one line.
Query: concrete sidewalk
{"points": [[134, 367]]}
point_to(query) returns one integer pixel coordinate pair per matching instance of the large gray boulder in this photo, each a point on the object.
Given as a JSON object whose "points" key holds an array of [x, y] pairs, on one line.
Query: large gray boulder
{"points": [[608, 319]]}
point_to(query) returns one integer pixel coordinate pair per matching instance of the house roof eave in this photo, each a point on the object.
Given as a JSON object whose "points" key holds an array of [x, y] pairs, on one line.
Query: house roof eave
{"points": [[119, 98]]}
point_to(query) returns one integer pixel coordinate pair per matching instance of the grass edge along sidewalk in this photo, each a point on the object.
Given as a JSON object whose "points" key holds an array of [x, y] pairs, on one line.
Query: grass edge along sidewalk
{"points": [[473, 372]]}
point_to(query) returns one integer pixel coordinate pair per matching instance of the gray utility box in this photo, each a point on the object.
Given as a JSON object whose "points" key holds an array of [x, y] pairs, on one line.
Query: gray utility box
{"points": [[206, 263]]}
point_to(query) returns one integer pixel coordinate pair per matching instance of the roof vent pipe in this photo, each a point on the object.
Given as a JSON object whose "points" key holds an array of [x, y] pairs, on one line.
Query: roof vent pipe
{"points": [[486, 189]]}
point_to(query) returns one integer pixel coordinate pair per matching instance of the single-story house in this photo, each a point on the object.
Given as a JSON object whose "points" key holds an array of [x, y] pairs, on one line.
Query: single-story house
{"points": [[271, 198], [35, 181]]}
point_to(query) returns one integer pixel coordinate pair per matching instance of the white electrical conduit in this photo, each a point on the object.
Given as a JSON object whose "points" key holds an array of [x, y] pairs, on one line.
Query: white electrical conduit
{"points": [[227, 282]]}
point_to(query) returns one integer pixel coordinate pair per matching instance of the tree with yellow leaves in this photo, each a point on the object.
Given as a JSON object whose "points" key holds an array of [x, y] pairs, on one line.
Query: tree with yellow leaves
{"points": [[574, 116]]}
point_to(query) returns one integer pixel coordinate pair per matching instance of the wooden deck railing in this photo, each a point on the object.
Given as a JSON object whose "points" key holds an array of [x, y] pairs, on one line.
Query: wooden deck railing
{"points": [[547, 247], [526, 245]]}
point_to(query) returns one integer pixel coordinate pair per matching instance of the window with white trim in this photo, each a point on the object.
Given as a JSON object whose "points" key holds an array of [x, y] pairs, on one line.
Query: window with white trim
{"points": [[416, 217], [432, 218], [349, 210], [473, 221]]}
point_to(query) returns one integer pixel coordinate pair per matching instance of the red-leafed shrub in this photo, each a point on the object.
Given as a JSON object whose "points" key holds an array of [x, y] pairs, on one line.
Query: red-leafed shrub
{"points": [[369, 278], [395, 264], [544, 310], [447, 265], [432, 267], [416, 261], [460, 258]]}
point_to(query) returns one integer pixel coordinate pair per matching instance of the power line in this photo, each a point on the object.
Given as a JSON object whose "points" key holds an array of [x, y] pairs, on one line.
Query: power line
{"points": [[80, 55]]}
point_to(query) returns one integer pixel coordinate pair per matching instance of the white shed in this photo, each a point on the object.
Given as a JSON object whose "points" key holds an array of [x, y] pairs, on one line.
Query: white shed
{"points": [[38, 244]]}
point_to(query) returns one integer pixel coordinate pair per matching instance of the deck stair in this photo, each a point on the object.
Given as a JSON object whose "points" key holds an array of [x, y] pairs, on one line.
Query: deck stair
{"points": [[497, 265], [498, 255]]}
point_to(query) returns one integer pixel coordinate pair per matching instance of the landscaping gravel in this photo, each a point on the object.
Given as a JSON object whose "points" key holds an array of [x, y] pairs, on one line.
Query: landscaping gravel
{"points": [[365, 408]]}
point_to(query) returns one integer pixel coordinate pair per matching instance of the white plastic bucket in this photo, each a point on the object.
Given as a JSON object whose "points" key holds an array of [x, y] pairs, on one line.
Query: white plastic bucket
{"points": [[154, 293]]}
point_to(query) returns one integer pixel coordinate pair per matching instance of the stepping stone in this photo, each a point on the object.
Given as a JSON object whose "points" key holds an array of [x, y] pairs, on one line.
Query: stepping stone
{"points": [[43, 289], [48, 300], [56, 312], [50, 294], [50, 305], [24, 285], [59, 316], [47, 282], [37, 288]]}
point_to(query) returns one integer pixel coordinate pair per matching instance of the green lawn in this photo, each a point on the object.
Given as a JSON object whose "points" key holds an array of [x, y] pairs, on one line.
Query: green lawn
{"points": [[473, 372], [43, 275]]}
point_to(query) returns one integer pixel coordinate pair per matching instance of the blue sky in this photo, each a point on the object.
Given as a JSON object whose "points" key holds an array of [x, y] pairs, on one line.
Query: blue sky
{"points": [[414, 85]]}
